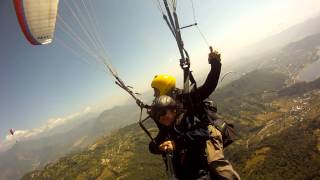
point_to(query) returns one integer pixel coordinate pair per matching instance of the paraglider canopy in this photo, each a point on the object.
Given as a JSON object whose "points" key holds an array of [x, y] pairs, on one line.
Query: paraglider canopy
{"points": [[37, 19]]}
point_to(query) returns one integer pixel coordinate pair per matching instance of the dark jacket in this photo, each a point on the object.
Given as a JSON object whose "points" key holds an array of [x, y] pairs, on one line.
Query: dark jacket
{"points": [[190, 131], [204, 91], [190, 136], [193, 102]]}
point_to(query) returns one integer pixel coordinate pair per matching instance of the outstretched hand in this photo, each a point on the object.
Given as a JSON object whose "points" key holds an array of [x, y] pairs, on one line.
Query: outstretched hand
{"points": [[214, 56]]}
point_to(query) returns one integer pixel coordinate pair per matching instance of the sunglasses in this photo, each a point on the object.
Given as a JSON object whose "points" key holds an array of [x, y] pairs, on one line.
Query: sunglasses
{"points": [[162, 112]]}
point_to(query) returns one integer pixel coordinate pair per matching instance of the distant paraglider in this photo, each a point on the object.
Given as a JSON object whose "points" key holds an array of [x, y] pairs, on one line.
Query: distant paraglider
{"points": [[11, 132]]}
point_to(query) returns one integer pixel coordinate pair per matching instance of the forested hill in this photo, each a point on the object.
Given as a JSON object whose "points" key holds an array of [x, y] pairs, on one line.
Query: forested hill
{"points": [[287, 146]]}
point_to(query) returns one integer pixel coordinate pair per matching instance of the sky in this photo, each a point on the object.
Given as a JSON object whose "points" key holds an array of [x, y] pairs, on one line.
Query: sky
{"points": [[44, 84]]}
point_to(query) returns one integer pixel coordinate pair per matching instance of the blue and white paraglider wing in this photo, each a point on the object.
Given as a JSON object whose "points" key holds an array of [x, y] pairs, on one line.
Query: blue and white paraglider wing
{"points": [[37, 19]]}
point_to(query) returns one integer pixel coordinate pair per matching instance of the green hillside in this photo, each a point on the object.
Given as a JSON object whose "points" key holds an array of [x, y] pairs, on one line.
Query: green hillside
{"points": [[288, 146], [121, 155]]}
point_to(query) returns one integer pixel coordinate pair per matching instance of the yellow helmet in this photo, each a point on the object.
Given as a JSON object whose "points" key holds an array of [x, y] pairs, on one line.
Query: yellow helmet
{"points": [[163, 83]]}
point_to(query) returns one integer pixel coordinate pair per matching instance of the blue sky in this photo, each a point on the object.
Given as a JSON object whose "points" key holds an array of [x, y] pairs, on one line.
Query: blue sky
{"points": [[38, 83]]}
